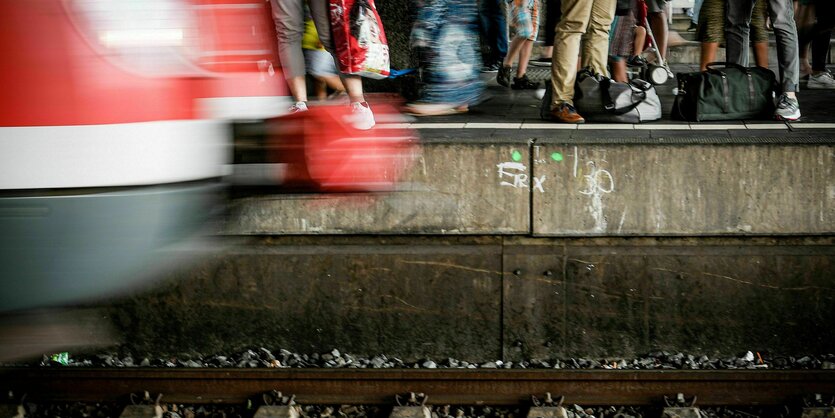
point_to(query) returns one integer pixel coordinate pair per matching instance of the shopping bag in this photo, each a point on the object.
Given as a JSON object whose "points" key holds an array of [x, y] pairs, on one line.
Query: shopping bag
{"points": [[359, 39]]}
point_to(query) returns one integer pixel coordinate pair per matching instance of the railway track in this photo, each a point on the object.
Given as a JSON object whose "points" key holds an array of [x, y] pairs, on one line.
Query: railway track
{"points": [[451, 386]]}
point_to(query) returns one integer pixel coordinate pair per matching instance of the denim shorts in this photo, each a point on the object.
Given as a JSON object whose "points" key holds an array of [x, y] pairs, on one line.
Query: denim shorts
{"points": [[319, 63]]}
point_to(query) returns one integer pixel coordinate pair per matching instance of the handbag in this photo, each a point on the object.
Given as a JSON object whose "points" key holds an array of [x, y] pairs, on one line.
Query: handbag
{"points": [[601, 99], [359, 38], [725, 91]]}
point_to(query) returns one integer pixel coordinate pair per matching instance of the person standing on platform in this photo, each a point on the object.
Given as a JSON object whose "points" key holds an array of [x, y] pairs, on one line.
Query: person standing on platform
{"points": [[657, 16], [591, 18], [525, 22], [493, 25], [788, 60], [711, 32], [819, 35]]}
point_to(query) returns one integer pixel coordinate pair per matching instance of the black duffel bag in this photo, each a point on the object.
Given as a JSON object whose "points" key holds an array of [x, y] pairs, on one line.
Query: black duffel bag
{"points": [[725, 91], [601, 99]]}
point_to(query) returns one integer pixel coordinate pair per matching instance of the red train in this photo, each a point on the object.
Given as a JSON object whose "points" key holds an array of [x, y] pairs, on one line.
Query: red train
{"points": [[115, 135]]}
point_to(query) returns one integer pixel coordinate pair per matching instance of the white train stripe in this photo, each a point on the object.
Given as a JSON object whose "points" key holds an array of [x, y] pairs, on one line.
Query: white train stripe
{"points": [[125, 154]]}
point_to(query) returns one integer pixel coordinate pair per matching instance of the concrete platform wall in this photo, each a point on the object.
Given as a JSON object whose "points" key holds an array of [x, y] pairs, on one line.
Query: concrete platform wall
{"points": [[547, 187], [485, 298]]}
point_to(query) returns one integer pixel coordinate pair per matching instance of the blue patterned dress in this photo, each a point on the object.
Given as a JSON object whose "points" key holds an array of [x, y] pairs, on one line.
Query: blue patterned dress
{"points": [[447, 33]]}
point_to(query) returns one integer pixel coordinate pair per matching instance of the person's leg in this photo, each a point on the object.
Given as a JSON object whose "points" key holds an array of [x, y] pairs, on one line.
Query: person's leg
{"points": [[503, 76], [596, 43], [319, 12], [657, 16], [738, 21], [320, 89], [531, 28], [363, 118], [320, 65], [500, 22], [494, 29], [619, 69], [804, 19], [782, 18], [708, 54], [520, 15], [524, 57], [820, 78], [711, 30], [759, 33], [288, 16], [760, 54], [820, 49], [334, 82], [640, 40], [825, 14], [515, 47], [697, 8], [552, 17], [576, 15]]}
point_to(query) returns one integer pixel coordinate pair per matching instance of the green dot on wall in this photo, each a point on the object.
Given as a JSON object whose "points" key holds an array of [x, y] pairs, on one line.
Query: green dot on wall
{"points": [[517, 156], [556, 156]]}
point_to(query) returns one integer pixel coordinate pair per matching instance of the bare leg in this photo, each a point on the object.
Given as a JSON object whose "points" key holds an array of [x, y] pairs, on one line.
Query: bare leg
{"points": [[524, 57], [320, 88], [619, 70], [353, 84], [515, 48], [804, 17], [805, 66], [547, 52], [658, 23], [298, 88], [640, 40], [708, 54], [761, 54], [333, 82]]}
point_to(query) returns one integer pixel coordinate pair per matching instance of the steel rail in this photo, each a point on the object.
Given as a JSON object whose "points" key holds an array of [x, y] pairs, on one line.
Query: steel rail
{"points": [[448, 386]]}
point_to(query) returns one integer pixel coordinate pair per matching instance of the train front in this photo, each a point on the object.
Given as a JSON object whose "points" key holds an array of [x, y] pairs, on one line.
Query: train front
{"points": [[115, 133]]}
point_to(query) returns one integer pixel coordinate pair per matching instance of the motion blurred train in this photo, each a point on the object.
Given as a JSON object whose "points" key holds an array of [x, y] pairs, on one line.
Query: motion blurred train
{"points": [[114, 133], [116, 136]]}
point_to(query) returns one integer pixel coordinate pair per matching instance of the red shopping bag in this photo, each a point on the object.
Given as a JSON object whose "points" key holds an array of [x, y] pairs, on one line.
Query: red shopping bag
{"points": [[359, 38]]}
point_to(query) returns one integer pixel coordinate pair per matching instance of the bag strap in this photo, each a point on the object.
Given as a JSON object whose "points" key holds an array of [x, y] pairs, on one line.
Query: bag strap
{"points": [[725, 97], [609, 104], [725, 65], [678, 105]]}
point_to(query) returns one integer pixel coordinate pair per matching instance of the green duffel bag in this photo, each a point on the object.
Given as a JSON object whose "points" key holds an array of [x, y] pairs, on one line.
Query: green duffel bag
{"points": [[725, 91]]}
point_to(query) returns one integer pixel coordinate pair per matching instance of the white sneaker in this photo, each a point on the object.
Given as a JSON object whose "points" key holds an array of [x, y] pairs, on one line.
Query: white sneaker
{"points": [[787, 108], [297, 107], [821, 81], [361, 116]]}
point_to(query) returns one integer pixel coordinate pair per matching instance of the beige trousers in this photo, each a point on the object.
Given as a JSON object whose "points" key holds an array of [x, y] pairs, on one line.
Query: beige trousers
{"points": [[591, 18]]}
